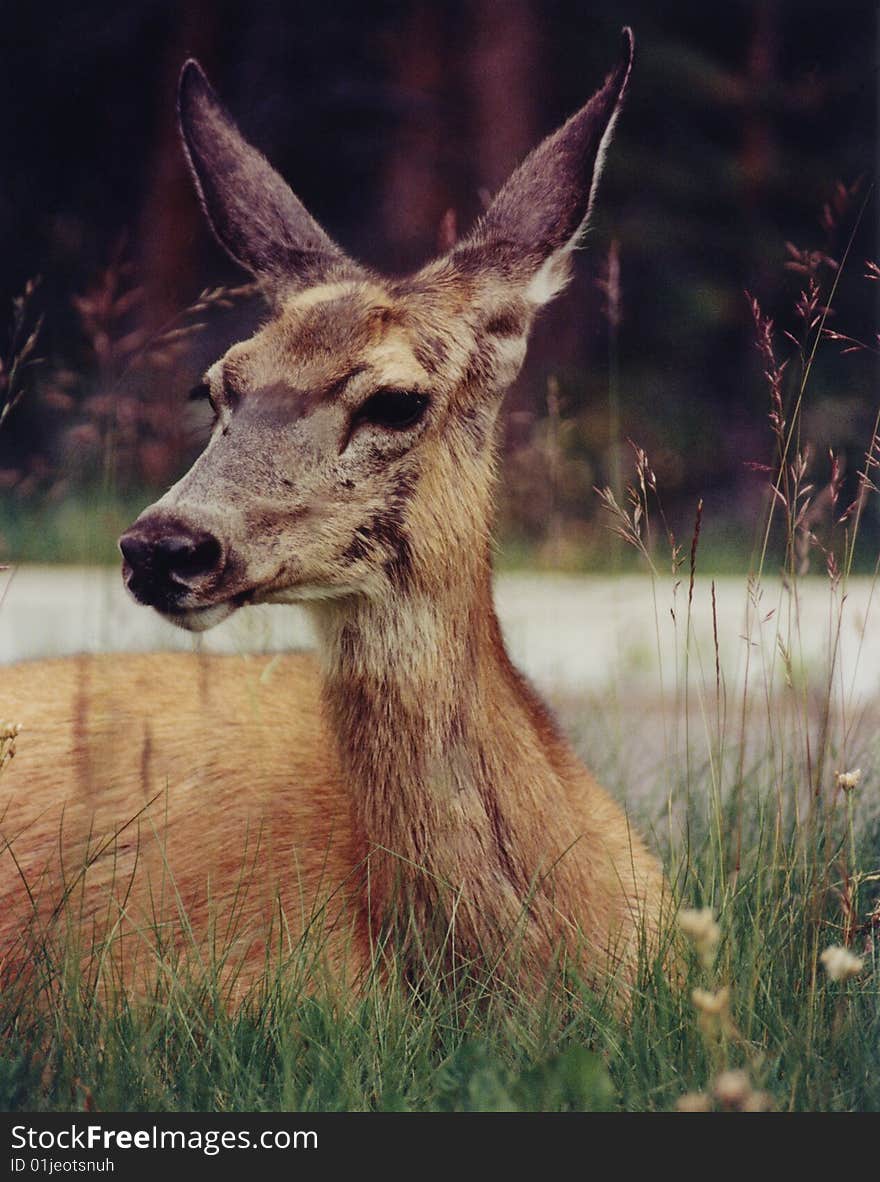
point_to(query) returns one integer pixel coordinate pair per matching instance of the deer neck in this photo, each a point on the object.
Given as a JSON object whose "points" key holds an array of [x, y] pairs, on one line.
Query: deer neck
{"points": [[454, 768]]}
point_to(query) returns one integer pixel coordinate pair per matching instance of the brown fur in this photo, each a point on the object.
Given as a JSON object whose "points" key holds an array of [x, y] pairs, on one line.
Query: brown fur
{"points": [[417, 775]]}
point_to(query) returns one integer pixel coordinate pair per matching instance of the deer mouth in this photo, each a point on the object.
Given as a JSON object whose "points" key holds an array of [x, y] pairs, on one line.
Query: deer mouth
{"points": [[199, 619], [166, 601]]}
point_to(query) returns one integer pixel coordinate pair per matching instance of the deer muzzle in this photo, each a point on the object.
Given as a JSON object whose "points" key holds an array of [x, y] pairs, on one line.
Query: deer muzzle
{"points": [[168, 563]]}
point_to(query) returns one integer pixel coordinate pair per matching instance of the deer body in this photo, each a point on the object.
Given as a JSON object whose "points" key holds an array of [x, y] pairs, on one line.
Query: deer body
{"points": [[412, 772], [203, 820]]}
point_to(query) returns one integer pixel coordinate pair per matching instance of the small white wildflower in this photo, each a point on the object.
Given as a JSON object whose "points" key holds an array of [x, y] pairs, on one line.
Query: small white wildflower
{"points": [[699, 925], [712, 1003], [714, 1012], [840, 964], [848, 780], [694, 1102], [733, 1089]]}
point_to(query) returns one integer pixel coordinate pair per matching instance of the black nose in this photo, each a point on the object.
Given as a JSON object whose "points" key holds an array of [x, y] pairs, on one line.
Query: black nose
{"points": [[166, 556]]}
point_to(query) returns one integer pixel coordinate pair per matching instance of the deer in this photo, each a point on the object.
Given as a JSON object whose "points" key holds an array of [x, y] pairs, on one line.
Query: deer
{"points": [[168, 801]]}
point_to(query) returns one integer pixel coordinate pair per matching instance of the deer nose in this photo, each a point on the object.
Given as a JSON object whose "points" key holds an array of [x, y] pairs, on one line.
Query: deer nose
{"points": [[165, 556]]}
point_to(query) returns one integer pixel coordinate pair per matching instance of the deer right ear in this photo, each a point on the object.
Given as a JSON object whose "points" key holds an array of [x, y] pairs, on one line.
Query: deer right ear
{"points": [[529, 231], [254, 214]]}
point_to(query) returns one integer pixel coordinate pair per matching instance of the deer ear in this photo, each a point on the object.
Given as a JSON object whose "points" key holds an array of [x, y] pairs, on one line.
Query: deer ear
{"points": [[537, 218], [254, 214]]}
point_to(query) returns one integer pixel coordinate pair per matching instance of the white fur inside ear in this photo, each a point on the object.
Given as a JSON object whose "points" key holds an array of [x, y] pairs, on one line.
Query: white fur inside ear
{"points": [[552, 276], [555, 272]]}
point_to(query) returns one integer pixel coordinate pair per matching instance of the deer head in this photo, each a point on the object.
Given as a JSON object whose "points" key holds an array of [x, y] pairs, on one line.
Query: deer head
{"points": [[354, 442]]}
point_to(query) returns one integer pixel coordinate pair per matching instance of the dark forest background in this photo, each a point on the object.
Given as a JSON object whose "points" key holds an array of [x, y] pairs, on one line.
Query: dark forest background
{"points": [[749, 138]]}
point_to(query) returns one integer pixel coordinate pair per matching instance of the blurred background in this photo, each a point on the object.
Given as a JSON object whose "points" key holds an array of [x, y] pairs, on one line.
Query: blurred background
{"points": [[744, 162]]}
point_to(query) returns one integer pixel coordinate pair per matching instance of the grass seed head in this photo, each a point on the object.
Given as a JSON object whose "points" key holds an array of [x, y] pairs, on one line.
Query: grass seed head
{"points": [[9, 732], [847, 781], [732, 1088], [714, 1004], [701, 928], [840, 964]]}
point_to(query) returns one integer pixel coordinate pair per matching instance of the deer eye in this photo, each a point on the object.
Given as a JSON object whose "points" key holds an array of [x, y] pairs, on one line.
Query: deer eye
{"points": [[393, 409]]}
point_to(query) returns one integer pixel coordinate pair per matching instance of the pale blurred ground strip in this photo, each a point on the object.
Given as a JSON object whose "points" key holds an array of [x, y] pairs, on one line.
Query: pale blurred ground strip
{"points": [[643, 708]]}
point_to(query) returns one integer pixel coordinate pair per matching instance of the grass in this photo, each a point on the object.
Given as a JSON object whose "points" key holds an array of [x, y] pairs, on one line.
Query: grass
{"points": [[806, 1042]]}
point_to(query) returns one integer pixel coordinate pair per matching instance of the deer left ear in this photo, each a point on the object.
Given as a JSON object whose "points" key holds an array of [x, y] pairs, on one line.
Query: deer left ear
{"points": [[253, 212], [536, 220]]}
